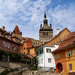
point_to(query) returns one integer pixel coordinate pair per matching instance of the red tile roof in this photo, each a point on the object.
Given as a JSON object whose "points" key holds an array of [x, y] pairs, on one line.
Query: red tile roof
{"points": [[7, 33], [68, 41], [16, 30]]}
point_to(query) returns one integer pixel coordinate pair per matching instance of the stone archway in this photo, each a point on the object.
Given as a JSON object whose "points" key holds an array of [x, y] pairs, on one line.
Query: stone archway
{"points": [[59, 67]]}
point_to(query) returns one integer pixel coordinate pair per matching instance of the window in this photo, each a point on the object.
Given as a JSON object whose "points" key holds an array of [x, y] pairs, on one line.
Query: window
{"points": [[1, 33], [8, 36], [29, 42], [48, 50], [4, 43], [38, 42], [41, 60], [74, 52], [69, 54], [14, 48], [28, 51], [8, 45], [73, 41], [24, 52], [24, 48], [16, 40], [43, 33], [49, 60], [58, 56], [70, 66]]}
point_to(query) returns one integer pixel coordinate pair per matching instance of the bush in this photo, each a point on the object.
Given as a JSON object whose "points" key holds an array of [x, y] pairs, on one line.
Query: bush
{"points": [[23, 61], [5, 72]]}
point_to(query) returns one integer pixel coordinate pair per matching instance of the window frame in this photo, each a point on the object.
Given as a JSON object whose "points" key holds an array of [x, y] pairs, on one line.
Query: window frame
{"points": [[70, 66], [69, 52], [4, 44], [58, 56], [49, 60], [8, 45], [8, 36], [48, 50]]}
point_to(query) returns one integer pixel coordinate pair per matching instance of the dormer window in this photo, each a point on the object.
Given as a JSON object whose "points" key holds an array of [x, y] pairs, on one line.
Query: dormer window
{"points": [[1, 33], [8, 36], [48, 50], [29, 42], [16, 40], [69, 54]]}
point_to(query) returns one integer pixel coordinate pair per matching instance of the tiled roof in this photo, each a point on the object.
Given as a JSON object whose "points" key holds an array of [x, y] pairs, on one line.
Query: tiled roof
{"points": [[56, 36], [69, 40], [7, 33], [15, 37]]}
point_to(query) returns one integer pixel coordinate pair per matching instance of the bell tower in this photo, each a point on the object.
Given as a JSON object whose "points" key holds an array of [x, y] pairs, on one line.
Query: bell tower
{"points": [[45, 31]]}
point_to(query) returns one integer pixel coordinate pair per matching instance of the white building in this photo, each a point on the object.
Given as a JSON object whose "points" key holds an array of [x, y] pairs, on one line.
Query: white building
{"points": [[46, 61]]}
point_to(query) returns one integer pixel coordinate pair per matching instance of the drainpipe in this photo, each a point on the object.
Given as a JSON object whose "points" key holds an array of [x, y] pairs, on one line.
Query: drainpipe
{"points": [[44, 59]]}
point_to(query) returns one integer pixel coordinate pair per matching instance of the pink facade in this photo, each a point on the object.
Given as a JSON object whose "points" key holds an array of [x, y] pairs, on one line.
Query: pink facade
{"points": [[9, 45]]}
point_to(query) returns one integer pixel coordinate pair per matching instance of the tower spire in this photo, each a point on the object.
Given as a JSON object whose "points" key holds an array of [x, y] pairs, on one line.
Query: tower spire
{"points": [[45, 12]]}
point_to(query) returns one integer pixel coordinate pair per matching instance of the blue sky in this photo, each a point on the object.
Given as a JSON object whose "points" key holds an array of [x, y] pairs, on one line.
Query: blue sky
{"points": [[29, 14]]}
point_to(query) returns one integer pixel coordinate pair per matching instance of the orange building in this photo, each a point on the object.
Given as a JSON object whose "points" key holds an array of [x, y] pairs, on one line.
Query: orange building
{"points": [[27, 48], [65, 55]]}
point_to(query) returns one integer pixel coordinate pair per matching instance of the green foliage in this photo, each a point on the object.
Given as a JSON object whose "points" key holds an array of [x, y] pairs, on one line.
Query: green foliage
{"points": [[5, 72], [14, 56], [35, 59], [32, 72], [23, 61]]}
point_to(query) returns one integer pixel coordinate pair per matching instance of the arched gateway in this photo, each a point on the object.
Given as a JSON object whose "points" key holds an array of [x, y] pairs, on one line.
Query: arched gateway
{"points": [[59, 67]]}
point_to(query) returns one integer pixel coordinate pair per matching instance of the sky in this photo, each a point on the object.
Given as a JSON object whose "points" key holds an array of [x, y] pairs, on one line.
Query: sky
{"points": [[29, 14]]}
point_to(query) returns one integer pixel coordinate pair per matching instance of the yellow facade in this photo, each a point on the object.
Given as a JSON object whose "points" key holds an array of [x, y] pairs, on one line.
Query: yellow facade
{"points": [[71, 60]]}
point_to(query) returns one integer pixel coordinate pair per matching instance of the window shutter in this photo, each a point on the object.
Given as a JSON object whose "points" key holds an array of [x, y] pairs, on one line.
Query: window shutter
{"points": [[73, 52], [66, 54]]}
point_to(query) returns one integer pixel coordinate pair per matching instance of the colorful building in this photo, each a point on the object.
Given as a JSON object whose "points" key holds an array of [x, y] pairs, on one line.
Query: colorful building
{"points": [[44, 52], [65, 55], [7, 43], [27, 48]]}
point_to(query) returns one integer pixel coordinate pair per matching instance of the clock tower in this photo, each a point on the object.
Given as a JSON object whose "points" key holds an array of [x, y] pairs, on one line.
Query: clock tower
{"points": [[45, 31]]}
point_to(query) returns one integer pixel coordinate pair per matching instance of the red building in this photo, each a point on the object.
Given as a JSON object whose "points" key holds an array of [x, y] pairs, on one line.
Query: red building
{"points": [[9, 43]]}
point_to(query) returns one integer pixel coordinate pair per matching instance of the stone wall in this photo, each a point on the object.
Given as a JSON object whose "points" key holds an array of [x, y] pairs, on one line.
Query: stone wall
{"points": [[11, 65]]}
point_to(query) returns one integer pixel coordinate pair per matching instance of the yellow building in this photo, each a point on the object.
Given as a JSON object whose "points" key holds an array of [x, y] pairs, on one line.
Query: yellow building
{"points": [[65, 56]]}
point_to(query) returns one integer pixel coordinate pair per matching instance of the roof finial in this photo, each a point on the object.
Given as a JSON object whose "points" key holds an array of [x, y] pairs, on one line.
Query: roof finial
{"points": [[45, 12]]}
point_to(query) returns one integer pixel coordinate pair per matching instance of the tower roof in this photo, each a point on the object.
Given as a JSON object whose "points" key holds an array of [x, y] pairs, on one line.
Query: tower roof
{"points": [[16, 30]]}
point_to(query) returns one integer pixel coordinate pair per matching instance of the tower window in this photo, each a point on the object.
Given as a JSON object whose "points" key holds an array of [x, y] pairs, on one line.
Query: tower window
{"points": [[43, 33]]}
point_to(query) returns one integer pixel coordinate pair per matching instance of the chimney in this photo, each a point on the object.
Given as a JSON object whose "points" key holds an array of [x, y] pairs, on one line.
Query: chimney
{"points": [[57, 30], [3, 28], [9, 32]]}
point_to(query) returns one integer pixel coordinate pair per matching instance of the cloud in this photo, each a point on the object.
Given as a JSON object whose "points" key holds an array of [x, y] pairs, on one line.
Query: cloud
{"points": [[28, 14]]}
